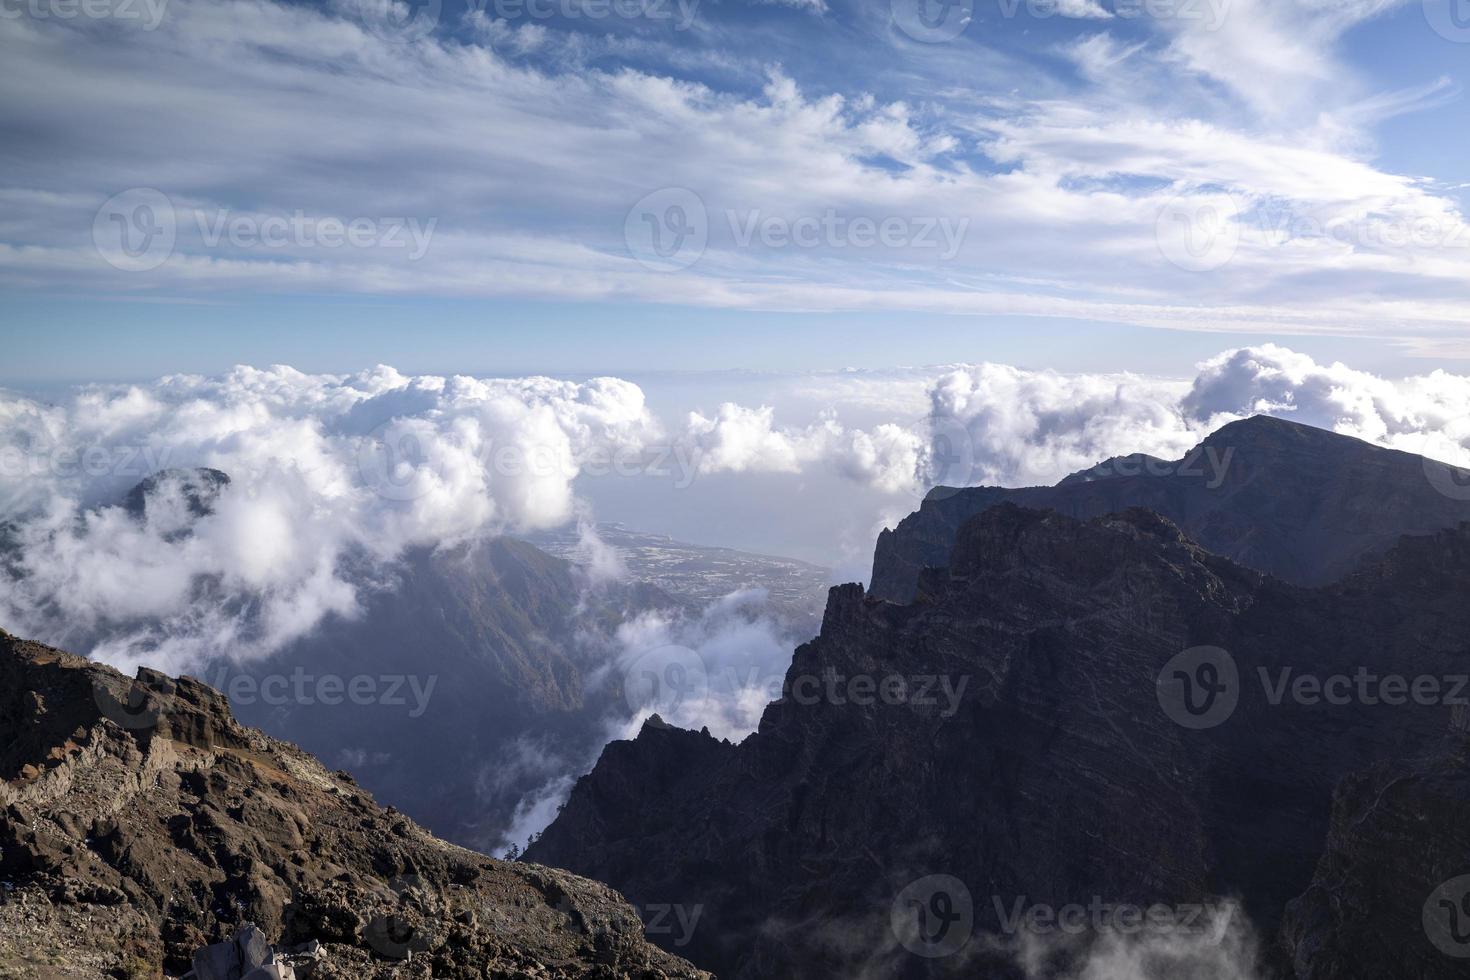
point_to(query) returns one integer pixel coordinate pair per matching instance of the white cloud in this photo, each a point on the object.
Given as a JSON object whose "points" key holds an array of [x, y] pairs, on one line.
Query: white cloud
{"points": [[452, 132], [718, 669], [333, 477], [1001, 425], [325, 471]]}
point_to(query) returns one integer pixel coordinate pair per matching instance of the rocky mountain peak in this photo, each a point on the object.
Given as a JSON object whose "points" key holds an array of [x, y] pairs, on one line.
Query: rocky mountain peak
{"points": [[1013, 733], [140, 823], [198, 488], [1304, 504]]}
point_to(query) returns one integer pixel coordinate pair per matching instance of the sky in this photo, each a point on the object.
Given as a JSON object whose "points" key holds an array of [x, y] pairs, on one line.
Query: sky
{"points": [[577, 187], [754, 273]]}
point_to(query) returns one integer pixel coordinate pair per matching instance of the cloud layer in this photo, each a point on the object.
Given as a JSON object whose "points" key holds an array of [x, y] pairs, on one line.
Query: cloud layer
{"points": [[334, 477], [331, 476]]}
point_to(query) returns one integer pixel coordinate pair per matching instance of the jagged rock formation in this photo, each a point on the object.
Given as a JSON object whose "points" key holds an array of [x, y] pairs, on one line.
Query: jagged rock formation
{"points": [[195, 489], [1395, 865], [1060, 775], [139, 823], [1298, 502]]}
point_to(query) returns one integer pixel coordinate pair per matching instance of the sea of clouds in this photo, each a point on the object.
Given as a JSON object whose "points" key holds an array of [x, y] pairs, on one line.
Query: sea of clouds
{"points": [[332, 477]]}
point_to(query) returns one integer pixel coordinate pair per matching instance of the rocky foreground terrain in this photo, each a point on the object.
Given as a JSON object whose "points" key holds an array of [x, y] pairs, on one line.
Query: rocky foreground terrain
{"points": [[140, 823], [1116, 733]]}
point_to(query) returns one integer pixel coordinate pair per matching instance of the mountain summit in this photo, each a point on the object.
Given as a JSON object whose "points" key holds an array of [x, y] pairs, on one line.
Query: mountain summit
{"points": [[1300, 503]]}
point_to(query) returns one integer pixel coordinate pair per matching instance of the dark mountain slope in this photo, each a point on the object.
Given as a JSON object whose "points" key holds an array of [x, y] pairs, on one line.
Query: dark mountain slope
{"points": [[496, 640], [1301, 503], [1062, 775]]}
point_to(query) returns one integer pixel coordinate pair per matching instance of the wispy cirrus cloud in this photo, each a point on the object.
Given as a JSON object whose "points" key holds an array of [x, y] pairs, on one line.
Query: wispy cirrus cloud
{"points": [[501, 157]]}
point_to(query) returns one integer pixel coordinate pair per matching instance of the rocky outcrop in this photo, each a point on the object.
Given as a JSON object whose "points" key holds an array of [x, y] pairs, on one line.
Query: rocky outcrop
{"points": [[196, 490], [1070, 714], [1298, 502], [1391, 893], [141, 824]]}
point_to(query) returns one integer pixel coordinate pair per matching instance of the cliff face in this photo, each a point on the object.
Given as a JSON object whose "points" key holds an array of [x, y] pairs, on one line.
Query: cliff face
{"points": [[1395, 864], [1297, 502], [1086, 713], [140, 822]]}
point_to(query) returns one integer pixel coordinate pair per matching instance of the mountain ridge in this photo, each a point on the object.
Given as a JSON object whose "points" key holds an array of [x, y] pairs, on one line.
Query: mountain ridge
{"points": [[1304, 504], [1061, 775]]}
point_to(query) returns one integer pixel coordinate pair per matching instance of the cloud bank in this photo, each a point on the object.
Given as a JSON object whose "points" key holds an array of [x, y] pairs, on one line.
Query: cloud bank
{"points": [[332, 477]]}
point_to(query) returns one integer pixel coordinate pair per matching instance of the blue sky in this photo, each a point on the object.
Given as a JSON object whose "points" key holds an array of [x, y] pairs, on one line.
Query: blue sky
{"points": [[1070, 184]]}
